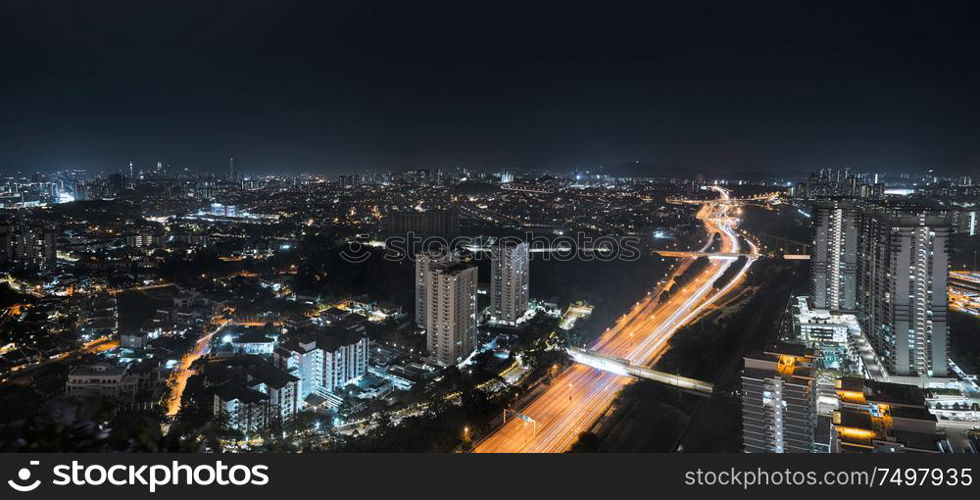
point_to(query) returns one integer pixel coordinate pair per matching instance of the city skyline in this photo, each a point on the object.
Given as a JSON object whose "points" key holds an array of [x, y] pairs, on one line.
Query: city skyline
{"points": [[292, 229], [339, 313]]}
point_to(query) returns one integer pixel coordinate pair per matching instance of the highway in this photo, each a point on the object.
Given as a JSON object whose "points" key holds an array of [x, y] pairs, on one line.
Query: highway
{"points": [[580, 395]]}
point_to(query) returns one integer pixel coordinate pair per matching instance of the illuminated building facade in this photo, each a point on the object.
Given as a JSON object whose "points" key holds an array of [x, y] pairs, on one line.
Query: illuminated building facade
{"points": [[144, 238], [441, 222], [833, 275], [878, 417], [904, 265], [509, 285], [424, 262], [451, 313], [324, 359], [779, 400], [28, 246]]}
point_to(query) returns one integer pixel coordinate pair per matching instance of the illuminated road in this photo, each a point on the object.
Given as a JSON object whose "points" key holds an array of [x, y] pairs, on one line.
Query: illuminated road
{"points": [[178, 381], [579, 395], [964, 292], [117, 291]]}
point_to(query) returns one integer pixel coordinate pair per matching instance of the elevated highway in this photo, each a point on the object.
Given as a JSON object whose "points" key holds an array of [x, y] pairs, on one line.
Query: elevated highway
{"points": [[622, 366], [721, 255]]}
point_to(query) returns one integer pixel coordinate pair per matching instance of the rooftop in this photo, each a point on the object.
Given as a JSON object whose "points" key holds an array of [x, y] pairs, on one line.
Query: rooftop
{"points": [[858, 390], [231, 391], [327, 338]]}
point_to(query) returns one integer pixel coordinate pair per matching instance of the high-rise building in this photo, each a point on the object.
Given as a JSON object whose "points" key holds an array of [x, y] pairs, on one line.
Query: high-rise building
{"points": [[6, 241], [437, 222], [779, 400], [424, 261], [509, 283], [451, 307], [324, 360], [833, 270], [903, 267], [34, 246]]}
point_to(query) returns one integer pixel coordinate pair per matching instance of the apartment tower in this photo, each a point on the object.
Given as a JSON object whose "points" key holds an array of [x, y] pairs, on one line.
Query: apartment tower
{"points": [[904, 266], [834, 264], [451, 307], [509, 285]]}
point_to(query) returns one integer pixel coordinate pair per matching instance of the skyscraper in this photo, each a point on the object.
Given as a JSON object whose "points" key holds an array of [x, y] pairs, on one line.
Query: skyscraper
{"points": [[833, 271], [440, 222], [424, 261], [779, 400], [509, 284], [904, 264], [451, 312]]}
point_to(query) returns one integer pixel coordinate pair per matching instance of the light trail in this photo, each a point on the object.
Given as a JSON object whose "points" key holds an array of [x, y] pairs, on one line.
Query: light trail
{"points": [[178, 381], [580, 395]]}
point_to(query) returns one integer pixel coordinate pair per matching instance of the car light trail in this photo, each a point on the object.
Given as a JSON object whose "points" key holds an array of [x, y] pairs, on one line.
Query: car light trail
{"points": [[579, 395], [178, 381]]}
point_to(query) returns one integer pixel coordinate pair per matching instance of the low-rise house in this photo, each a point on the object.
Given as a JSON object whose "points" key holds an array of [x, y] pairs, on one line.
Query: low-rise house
{"points": [[102, 379]]}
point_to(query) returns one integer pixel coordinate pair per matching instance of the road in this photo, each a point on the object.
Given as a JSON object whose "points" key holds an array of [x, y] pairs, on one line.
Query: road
{"points": [[25, 375], [178, 380], [579, 395]]}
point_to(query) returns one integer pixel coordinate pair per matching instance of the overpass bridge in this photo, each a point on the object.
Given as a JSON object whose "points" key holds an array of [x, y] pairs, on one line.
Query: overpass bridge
{"points": [[622, 366], [710, 255], [566, 249], [764, 197], [722, 255], [525, 189]]}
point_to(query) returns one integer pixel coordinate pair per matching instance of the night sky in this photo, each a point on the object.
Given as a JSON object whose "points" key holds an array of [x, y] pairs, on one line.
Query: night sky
{"points": [[332, 86]]}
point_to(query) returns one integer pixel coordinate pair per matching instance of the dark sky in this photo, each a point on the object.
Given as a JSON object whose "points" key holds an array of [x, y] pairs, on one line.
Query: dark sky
{"points": [[333, 86]]}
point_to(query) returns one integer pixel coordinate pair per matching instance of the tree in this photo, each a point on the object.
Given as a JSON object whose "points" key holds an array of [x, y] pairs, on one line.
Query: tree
{"points": [[307, 422], [587, 442]]}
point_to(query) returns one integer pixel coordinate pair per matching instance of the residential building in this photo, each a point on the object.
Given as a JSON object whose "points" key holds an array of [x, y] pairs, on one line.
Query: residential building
{"points": [[509, 283], [904, 265], [436, 222], [836, 334], [451, 312], [33, 246], [833, 268], [779, 400], [424, 262], [252, 392], [246, 410], [143, 238], [102, 379], [323, 359]]}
